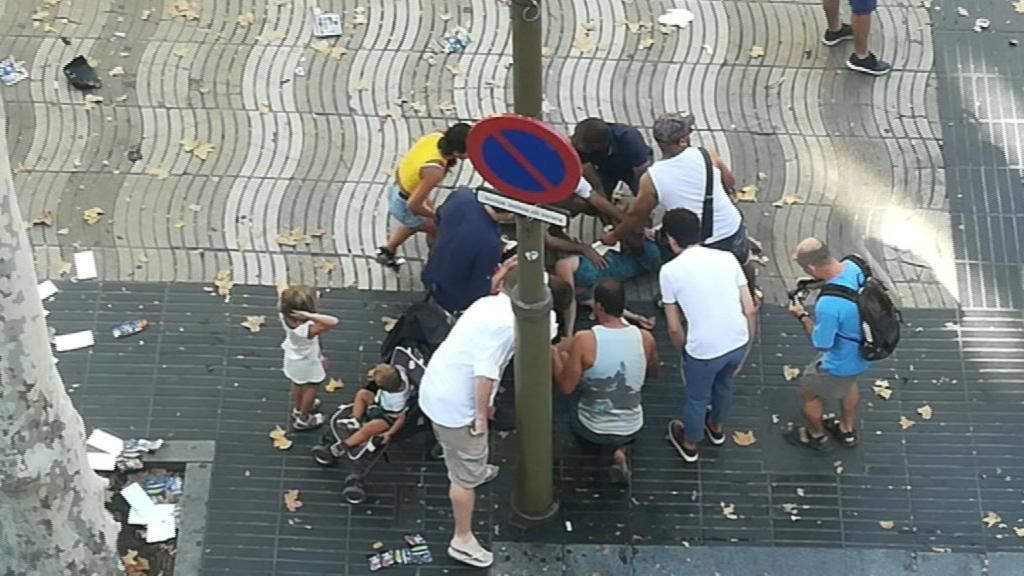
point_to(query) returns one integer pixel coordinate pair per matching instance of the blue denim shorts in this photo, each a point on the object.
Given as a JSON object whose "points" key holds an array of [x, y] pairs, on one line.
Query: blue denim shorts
{"points": [[399, 209], [862, 7]]}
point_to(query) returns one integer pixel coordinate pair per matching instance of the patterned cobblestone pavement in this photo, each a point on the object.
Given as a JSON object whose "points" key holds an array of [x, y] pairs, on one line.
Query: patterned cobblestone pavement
{"points": [[312, 152]]}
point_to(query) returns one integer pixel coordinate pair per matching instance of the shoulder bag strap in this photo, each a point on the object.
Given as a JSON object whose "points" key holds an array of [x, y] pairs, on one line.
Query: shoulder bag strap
{"points": [[707, 219]]}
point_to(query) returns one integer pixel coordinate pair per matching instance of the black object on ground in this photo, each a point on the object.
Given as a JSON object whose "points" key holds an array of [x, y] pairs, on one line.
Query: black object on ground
{"points": [[134, 153], [81, 74]]}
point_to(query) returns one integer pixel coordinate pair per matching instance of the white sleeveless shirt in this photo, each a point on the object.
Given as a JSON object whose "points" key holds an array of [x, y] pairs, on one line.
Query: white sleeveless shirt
{"points": [[680, 182]]}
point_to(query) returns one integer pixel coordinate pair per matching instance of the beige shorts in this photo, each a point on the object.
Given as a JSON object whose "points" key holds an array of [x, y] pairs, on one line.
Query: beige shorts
{"points": [[465, 455], [824, 385]]}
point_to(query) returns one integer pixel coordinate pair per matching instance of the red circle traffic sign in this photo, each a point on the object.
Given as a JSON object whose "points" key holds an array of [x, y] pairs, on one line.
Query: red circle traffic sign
{"points": [[524, 158]]}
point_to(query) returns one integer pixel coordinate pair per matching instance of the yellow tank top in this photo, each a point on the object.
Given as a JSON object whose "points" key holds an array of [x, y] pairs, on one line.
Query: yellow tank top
{"points": [[424, 151]]}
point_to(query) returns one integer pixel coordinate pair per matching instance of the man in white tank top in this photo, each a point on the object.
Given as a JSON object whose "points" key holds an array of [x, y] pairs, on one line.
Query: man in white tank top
{"points": [[679, 180]]}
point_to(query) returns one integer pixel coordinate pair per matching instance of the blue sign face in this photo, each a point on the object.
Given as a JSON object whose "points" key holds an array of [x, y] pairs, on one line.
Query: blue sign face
{"points": [[505, 151]]}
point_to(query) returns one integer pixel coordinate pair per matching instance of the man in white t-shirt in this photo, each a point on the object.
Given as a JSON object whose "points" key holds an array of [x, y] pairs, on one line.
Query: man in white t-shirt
{"points": [[457, 395], [709, 289]]}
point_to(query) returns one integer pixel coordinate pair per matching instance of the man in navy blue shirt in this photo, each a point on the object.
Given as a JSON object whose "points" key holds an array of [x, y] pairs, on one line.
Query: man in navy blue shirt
{"points": [[611, 153], [835, 330], [466, 251]]}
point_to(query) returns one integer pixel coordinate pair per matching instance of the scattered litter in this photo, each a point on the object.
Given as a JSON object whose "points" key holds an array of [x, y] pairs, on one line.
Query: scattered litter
{"points": [[194, 207], [790, 372], [584, 43], [1014, 43], [145, 14], [906, 422], [300, 71], [801, 492], [991, 519], [960, 10], [134, 153], [91, 100], [181, 51], [677, 17], [925, 412], [134, 564], [981, 24], [254, 323], [1018, 531], [197, 148], [73, 341], [326, 25], [245, 20], [85, 265], [187, 9], [12, 71], [105, 442], [129, 328], [787, 199], [882, 389], [1018, 6], [291, 500], [333, 385], [775, 418], [887, 524], [292, 238], [942, 549], [756, 51], [568, 526], [744, 438], [729, 511], [223, 282], [101, 461], [280, 438], [116, 71], [158, 173], [46, 289], [92, 215], [454, 42], [389, 323], [82, 74], [747, 194], [359, 16]]}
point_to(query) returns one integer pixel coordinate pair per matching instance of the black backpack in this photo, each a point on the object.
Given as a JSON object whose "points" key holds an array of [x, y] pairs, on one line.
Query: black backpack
{"points": [[422, 328], [879, 318]]}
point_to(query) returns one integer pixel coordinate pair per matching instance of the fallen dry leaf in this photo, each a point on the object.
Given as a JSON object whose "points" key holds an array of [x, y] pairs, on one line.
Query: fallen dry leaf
{"points": [[158, 173], [116, 71], [882, 389], [377, 546], [203, 89], [454, 68], [179, 225], [584, 43], [145, 14], [748, 193], [264, 107], [322, 46], [887, 524], [787, 199], [1018, 6], [279, 436], [291, 500], [271, 36], [906, 422], [92, 215], [187, 9], [134, 563], [292, 238], [337, 52], [63, 268], [1018, 531], [645, 43], [325, 266], [181, 51], [197, 148], [44, 218], [925, 412], [790, 372], [729, 511], [334, 385], [195, 207], [246, 20], [223, 282], [254, 323], [389, 323], [991, 519], [744, 438], [761, 177], [756, 51]]}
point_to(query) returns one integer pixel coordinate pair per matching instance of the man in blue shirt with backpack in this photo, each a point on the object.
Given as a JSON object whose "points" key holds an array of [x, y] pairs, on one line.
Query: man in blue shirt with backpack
{"points": [[854, 322]]}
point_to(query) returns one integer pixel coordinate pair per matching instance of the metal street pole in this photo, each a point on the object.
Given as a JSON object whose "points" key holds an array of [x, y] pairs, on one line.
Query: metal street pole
{"points": [[534, 494]]}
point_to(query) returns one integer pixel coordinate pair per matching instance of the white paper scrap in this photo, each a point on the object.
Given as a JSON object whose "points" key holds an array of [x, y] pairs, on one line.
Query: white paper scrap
{"points": [[160, 531], [73, 341], [106, 442], [47, 289], [85, 265], [143, 505], [678, 17], [163, 511], [101, 461]]}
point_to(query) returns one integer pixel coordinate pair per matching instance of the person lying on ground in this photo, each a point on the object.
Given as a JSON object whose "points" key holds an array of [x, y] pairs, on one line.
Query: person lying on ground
{"points": [[381, 413], [603, 369]]}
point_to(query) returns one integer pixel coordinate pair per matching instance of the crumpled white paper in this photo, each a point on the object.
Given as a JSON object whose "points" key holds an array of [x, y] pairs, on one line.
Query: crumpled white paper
{"points": [[678, 17]]}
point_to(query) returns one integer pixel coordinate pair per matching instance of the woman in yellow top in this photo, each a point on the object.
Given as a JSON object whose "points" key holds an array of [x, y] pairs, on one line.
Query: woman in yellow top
{"points": [[417, 174]]}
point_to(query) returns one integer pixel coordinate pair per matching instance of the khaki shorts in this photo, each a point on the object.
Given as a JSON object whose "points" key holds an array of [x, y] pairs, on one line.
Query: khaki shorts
{"points": [[824, 385], [465, 455]]}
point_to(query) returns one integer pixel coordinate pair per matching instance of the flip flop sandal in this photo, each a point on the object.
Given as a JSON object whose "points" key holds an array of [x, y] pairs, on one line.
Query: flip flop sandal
{"points": [[470, 558], [800, 436], [848, 439]]}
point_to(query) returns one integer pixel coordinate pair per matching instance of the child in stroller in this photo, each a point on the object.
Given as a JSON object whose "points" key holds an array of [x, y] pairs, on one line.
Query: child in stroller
{"points": [[375, 414]]}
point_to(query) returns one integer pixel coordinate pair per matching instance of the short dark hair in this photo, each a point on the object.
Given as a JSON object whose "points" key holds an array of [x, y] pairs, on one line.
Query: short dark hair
{"points": [[816, 257], [592, 133], [454, 139], [611, 295], [683, 226]]}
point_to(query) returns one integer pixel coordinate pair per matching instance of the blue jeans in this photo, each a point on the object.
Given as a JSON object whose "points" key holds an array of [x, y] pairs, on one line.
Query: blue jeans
{"points": [[707, 382]]}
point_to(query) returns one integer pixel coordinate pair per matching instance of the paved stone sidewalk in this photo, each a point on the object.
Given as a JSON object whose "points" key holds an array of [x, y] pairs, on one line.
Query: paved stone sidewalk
{"points": [[311, 152]]}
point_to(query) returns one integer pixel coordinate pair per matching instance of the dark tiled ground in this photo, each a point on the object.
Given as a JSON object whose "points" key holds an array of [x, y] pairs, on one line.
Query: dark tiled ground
{"points": [[197, 374]]}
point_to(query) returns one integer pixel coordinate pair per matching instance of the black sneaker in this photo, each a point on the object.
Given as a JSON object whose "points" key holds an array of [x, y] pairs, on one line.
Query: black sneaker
{"points": [[675, 437], [387, 258], [870, 65], [715, 438], [848, 439], [831, 38]]}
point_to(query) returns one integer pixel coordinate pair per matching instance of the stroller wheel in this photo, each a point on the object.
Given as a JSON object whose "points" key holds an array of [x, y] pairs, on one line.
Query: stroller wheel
{"points": [[322, 455], [353, 479], [354, 494]]}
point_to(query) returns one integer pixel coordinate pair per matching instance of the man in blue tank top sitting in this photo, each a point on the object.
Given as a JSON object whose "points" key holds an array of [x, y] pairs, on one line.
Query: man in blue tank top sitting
{"points": [[604, 369]]}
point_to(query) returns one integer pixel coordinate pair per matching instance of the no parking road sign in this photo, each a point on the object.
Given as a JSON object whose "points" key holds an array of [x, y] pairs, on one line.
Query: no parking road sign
{"points": [[524, 158]]}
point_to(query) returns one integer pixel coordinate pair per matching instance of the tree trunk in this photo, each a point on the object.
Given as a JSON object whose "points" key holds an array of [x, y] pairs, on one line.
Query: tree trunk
{"points": [[52, 515]]}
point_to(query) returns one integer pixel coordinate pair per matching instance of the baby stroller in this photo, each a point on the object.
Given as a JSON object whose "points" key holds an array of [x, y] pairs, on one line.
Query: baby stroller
{"points": [[409, 344]]}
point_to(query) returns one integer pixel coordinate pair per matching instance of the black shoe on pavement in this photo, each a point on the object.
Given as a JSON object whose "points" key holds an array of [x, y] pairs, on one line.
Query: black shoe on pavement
{"points": [[676, 438], [716, 438], [848, 439], [831, 38], [387, 258], [869, 65], [801, 436]]}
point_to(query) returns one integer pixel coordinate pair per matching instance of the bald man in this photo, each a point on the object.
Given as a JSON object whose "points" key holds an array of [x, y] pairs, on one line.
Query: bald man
{"points": [[835, 331]]}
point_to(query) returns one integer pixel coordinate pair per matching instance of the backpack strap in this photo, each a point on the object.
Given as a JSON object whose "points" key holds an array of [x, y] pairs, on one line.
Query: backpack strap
{"points": [[707, 219], [839, 292], [861, 263]]}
